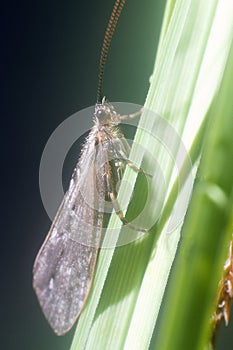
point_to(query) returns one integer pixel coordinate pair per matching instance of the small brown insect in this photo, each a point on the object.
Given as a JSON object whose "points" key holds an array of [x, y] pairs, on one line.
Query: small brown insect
{"points": [[225, 294]]}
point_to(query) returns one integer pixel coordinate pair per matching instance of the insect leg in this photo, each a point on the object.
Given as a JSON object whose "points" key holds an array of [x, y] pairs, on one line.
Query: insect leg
{"points": [[117, 207], [131, 116], [132, 165]]}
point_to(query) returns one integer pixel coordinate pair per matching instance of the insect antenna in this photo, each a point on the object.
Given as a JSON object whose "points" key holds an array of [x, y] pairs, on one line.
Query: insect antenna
{"points": [[112, 23]]}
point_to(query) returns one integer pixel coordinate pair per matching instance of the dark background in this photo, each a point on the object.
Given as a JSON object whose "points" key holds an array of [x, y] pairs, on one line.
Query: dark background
{"points": [[49, 67]]}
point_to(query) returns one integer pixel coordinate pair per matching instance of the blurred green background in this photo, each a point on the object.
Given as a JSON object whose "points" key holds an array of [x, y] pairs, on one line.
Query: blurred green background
{"points": [[49, 66]]}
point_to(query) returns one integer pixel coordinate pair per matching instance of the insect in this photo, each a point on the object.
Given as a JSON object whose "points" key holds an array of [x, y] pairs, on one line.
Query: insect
{"points": [[225, 294], [64, 267]]}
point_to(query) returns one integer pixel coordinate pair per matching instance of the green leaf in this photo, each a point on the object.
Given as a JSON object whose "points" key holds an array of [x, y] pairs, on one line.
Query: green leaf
{"points": [[206, 234]]}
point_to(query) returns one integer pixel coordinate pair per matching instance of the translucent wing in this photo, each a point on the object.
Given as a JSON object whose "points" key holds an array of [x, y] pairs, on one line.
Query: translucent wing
{"points": [[64, 266]]}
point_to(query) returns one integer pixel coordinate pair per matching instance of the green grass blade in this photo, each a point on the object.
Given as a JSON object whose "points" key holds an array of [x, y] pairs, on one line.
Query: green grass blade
{"points": [[207, 233]]}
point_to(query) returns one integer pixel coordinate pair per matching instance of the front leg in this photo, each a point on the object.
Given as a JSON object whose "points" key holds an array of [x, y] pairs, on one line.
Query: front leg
{"points": [[131, 116]]}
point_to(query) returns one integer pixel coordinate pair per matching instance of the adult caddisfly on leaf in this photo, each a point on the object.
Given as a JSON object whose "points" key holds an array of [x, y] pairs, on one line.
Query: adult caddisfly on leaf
{"points": [[64, 267]]}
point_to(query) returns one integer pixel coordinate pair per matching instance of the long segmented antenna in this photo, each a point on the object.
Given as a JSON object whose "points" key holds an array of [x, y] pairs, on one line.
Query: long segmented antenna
{"points": [[112, 23]]}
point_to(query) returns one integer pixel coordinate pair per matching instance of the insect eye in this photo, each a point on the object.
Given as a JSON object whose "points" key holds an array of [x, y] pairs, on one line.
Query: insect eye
{"points": [[101, 114]]}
